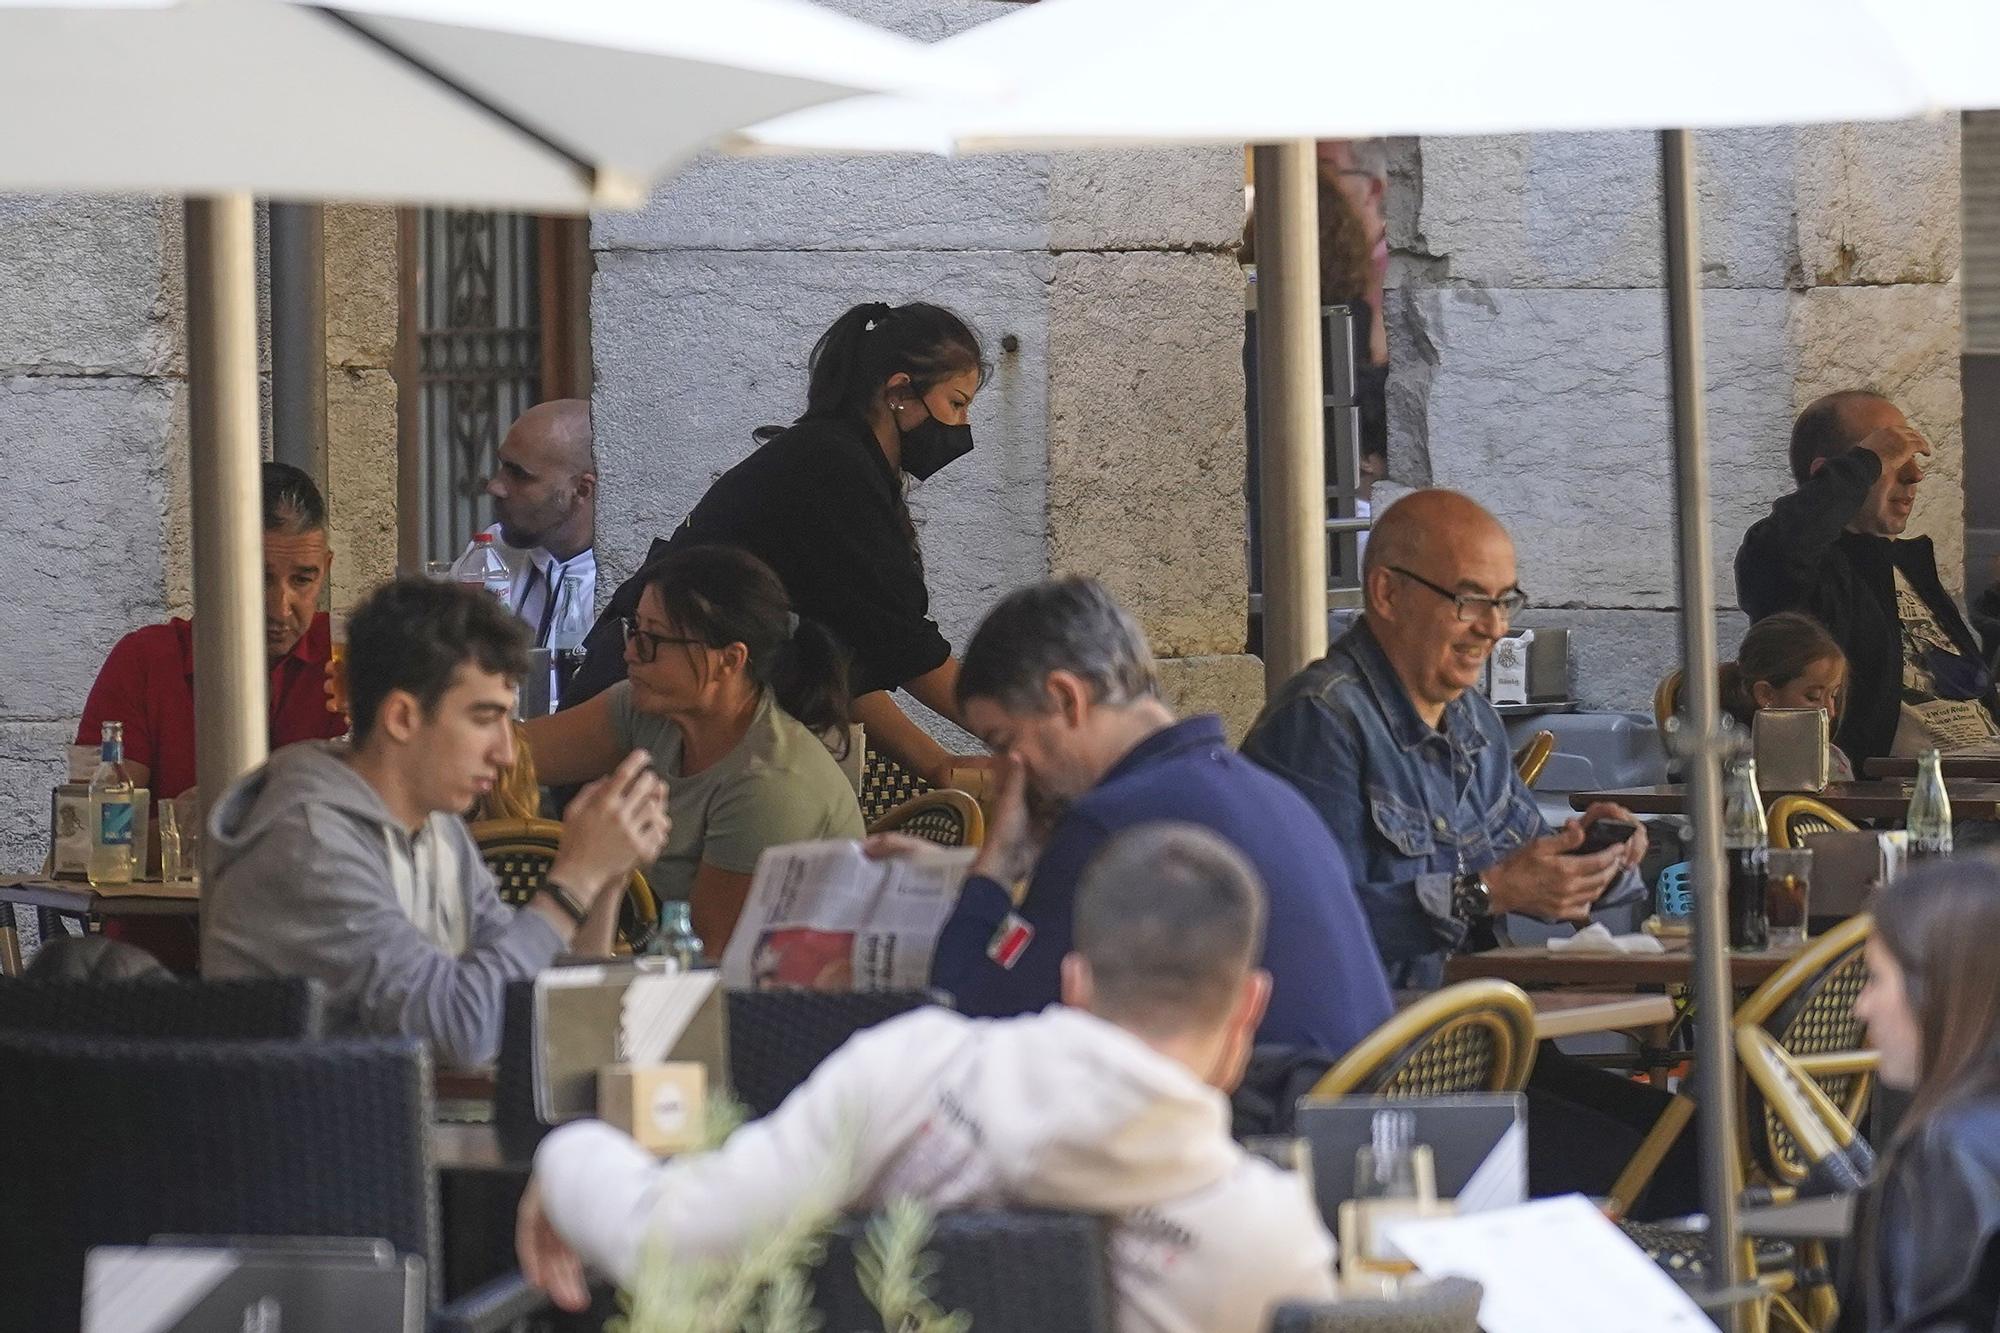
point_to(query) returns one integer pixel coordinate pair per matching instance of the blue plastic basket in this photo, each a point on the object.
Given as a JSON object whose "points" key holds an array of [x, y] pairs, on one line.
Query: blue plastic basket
{"points": [[1674, 896]]}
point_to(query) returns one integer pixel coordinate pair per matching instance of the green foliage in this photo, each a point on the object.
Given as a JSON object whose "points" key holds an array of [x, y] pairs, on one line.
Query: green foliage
{"points": [[896, 1274]]}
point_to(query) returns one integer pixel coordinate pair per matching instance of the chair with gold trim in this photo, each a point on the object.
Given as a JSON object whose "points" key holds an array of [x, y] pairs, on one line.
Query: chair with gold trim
{"points": [[1667, 700], [519, 852], [1532, 758], [885, 785], [1795, 818], [1477, 1036], [947, 818]]}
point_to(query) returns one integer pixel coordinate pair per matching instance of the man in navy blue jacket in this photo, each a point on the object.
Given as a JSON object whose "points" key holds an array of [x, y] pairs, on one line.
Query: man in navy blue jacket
{"points": [[1059, 681]]}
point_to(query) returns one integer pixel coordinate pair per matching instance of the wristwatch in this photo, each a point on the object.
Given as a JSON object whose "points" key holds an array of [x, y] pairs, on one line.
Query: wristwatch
{"points": [[1471, 899]]}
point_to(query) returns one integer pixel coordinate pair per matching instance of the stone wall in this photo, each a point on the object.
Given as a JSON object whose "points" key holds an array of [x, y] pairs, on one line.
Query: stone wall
{"points": [[1104, 289], [1528, 348], [94, 526]]}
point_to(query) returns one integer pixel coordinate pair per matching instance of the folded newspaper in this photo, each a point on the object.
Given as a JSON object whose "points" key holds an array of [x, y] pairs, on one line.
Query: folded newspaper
{"points": [[824, 917]]}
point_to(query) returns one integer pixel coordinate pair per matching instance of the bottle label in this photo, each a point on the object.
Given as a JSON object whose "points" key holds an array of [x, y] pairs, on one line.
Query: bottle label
{"points": [[114, 824]]}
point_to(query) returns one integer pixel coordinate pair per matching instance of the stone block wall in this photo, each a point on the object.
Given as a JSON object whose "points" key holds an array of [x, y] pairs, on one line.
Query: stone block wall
{"points": [[1104, 290], [94, 530], [1528, 336]]}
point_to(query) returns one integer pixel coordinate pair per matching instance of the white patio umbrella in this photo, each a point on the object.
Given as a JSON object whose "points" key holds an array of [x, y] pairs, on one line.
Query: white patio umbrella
{"points": [[1096, 73], [551, 107]]}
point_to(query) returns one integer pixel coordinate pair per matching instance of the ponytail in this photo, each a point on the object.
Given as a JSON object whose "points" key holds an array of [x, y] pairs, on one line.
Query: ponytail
{"points": [[856, 356], [808, 678], [1737, 701]]}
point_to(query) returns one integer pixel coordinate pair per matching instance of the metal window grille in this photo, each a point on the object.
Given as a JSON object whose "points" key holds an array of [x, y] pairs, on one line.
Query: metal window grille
{"points": [[1979, 146], [478, 327]]}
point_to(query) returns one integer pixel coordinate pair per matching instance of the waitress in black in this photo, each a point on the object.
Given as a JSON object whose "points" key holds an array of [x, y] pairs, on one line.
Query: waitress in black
{"points": [[821, 502]]}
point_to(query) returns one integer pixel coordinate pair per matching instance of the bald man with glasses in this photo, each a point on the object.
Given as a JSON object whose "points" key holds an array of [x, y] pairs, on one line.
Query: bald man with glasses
{"points": [[1410, 768], [1408, 763]]}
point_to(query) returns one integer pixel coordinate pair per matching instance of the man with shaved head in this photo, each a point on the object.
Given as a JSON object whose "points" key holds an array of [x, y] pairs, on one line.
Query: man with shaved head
{"points": [[544, 495], [1410, 768], [1409, 765], [1833, 548]]}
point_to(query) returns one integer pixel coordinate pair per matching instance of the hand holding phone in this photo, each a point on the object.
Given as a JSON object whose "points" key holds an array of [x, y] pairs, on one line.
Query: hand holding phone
{"points": [[1602, 834]]}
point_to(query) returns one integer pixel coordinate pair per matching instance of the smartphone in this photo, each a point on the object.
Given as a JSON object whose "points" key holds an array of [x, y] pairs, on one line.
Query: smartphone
{"points": [[1600, 834]]}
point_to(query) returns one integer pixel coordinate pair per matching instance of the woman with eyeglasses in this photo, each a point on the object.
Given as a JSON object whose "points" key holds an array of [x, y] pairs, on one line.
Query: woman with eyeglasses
{"points": [[822, 502], [1927, 1243], [731, 693]]}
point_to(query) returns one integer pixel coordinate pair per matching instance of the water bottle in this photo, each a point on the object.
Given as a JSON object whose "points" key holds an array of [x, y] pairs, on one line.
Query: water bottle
{"points": [[1929, 822], [566, 635], [111, 811], [1746, 843], [482, 567], [675, 938]]}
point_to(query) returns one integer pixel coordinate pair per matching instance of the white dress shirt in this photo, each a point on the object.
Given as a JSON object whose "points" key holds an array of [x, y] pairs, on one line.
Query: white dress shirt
{"points": [[537, 576]]}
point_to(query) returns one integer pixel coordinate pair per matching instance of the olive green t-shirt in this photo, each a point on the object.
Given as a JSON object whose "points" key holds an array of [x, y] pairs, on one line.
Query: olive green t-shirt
{"points": [[780, 784]]}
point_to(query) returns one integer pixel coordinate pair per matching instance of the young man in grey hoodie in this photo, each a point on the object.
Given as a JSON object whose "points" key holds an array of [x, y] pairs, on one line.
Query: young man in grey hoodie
{"points": [[351, 863], [1111, 1105]]}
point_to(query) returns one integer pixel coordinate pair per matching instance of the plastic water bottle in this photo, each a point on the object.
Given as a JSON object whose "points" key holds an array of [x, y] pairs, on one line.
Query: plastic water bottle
{"points": [[112, 798], [676, 939], [482, 567], [1929, 822]]}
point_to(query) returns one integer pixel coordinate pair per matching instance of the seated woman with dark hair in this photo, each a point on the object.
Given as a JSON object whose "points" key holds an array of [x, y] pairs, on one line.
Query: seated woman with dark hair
{"points": [[1928, 1252], [731, 693]]}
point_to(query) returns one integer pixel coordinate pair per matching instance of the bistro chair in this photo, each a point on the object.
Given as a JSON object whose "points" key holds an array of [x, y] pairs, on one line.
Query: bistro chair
{"points": [[1477, 1036], [1011, 1270], [885, 785], [947, 818], [273, 1008], [519, 852], [1793, 819], [1445, 1305], [776, 1038], [1667, 700], [199, 1138], [1532, 758]]}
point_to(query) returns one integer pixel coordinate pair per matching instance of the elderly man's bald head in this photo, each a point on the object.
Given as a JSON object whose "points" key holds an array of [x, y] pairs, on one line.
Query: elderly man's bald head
{"points": [[1413, 531], [1424, 553], [545, 487]]}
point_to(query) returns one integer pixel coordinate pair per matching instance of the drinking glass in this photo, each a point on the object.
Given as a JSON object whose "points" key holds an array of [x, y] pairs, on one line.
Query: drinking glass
{"points": [[1787, 895], [336, 663], [185, 811], [437, 570]]}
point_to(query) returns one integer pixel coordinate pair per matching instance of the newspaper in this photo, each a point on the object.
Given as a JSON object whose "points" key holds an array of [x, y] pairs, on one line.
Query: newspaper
{"points": [[824, 917]]}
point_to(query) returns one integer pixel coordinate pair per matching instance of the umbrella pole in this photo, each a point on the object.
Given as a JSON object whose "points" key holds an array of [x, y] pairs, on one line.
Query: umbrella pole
{"points": [[1291, 408], [1715, 999], [226, 491]]}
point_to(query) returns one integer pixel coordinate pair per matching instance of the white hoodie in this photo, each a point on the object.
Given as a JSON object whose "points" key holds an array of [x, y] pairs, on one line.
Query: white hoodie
{"points": [[1058, 1110]]}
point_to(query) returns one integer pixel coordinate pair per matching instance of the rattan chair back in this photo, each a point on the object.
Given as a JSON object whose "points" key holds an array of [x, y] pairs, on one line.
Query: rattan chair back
{"points": [[1477, 1036], [778, 1037], [1793, 819], [519, 852], [1532, 758], [269, 1008], [947, 818]]}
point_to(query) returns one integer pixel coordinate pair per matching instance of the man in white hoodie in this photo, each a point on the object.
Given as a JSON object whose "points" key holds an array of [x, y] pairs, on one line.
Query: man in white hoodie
{"points": [[1112, 1105]]}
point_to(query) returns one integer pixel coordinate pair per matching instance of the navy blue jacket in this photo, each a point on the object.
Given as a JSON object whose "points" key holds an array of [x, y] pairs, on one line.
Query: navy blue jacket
{"points": [[1327, 987]]}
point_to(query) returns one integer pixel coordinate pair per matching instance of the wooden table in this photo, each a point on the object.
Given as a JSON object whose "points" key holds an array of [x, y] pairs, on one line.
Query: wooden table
{"points": [[1972, 767], [76, 898], [1856, 800], [1604, 970]]}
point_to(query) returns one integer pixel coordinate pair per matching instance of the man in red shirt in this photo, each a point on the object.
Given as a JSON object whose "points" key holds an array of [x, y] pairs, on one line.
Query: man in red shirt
{"points": [[147, 682]]}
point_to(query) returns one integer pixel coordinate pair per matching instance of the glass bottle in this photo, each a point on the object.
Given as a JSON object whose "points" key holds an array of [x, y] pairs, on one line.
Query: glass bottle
{"points": [[1929, 821], [1746, 843], [675, 938], [566, 635], [111, 811]]}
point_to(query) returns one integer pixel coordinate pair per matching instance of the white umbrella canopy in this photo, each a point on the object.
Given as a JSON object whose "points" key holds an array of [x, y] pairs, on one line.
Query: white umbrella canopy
{"points": [[1084, 73], [499, 103]]}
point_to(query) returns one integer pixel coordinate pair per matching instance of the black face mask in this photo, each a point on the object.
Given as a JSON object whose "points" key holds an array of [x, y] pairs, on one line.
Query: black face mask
{"points": [[934, 445]]}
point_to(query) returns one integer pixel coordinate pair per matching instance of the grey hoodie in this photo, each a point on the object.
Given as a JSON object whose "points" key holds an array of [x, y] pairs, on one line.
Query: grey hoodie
{"points": [[305, 882]]}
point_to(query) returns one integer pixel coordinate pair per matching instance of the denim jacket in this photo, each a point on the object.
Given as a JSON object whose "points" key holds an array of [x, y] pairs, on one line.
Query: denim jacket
{"points": [[1411, 805]]}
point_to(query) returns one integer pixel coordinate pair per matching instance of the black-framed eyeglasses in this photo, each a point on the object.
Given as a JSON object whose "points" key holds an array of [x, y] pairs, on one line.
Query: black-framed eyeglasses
{"points": [[646, 643], [1472, 605]]}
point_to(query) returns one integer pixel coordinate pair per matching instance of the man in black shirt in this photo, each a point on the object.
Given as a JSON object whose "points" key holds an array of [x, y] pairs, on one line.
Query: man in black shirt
{"points": [[1834, 549]]}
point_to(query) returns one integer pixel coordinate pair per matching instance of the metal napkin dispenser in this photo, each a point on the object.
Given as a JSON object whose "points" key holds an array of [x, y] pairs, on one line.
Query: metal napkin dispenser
{"points": [[1790, 745]]}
